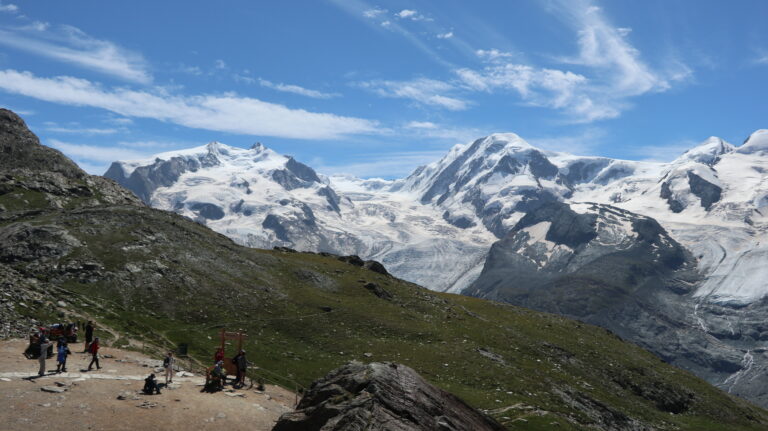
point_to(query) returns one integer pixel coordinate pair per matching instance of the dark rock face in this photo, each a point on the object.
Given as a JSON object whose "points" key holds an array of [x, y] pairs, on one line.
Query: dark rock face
{"points": [[706, 191], [20, 148], [666, 193], [144, 180], [381, 396], [378, 291], [461, 222], [567, 227], [332, 198], [272, 222], [208, 211], [302, 171]]}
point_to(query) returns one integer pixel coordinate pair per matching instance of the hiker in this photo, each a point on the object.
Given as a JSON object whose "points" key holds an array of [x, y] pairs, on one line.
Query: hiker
{"points": [[168, 364], [215, 379], [43, 355], [242, 365], [93, 349], [61, 357], [218, 356], [150, 385], [88, 335]]}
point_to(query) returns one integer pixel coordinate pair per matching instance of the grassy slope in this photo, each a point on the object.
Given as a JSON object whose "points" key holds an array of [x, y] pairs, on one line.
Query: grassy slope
{"points": [[193, 282]]}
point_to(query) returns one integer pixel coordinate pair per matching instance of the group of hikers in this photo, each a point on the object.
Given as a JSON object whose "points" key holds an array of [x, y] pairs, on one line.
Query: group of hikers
{"points": [[216, 378], [62, 350], [217, 375]]}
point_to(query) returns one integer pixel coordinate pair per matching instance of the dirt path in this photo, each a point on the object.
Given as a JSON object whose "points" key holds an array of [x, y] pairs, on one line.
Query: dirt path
{"points": [[90, 400]]}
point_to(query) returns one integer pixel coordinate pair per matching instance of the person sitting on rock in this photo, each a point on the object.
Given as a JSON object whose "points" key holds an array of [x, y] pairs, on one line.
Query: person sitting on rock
{"points": [[150, 385], [215, 381]]}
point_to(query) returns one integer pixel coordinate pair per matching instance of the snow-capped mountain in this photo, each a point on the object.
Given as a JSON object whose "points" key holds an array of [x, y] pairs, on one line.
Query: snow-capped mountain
{"points": [[670, 255], [263, 199]]}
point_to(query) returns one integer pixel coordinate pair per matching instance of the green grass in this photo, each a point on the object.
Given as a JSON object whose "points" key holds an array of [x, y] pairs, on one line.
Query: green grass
{"points": [[188, 282]]}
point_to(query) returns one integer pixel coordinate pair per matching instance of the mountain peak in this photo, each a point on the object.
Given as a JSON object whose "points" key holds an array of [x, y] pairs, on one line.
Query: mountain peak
{"points": [[708, 152], [505, 142], [756, 143]]}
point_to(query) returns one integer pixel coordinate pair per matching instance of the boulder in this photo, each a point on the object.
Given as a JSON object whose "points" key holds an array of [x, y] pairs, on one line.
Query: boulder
{"points": [[381, 396]]}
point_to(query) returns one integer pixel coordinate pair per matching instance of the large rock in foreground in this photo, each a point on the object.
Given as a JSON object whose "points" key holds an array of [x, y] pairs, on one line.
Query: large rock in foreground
{"points": [[381, 396]]}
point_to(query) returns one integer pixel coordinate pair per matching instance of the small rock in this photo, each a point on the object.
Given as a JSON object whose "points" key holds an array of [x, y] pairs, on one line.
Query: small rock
{"points": [[63, 384], [61, 304], [45, 405], [147, 405], [4, 379], [220, 415], [235, 394], [108, 356], [53, 389], [367, 355]]}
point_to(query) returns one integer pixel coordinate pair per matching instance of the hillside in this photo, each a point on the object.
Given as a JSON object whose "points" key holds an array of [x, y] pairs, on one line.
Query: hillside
{"points": [[74, 246]]}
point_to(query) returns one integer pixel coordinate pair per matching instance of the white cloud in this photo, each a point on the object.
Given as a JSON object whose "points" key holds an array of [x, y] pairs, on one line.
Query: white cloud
{"points": [[10, 8], [447, 35], [407, 13], [82, 131], [374, 12], [95, 153], [611, 71], [70, 45], [295, 89], [424, 91], [421, 125], [119, 121], [220, 64], [223, 112], [762, 59], [492, 54]]}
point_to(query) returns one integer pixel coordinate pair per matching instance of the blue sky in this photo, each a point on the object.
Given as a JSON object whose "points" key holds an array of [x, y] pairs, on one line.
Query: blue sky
{"points": [[377, 88]]}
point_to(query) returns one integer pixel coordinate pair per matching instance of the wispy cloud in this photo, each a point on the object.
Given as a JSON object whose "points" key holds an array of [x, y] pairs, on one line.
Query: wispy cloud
{"points": [[70, 45], [611, 71], [412, 15], [374, 12], [446, 35], [96, 153], [382, 165], [81, 131], [226, 112], [295, 89], [9, 8], [424, 91], [493, 54]]}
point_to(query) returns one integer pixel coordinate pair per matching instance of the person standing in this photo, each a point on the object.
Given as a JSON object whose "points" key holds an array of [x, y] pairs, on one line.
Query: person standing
{"points": [[242, 366], [88, 335], [168, 364], [93, 349], [44, 344], [61, 357]]}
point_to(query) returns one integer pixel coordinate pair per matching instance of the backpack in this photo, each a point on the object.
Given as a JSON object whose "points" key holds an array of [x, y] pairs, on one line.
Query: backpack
{"points": [[166, 362]]}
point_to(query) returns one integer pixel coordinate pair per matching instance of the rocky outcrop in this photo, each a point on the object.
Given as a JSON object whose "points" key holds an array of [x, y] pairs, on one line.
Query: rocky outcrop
{"points": [[21, 149], [381, 396]]}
